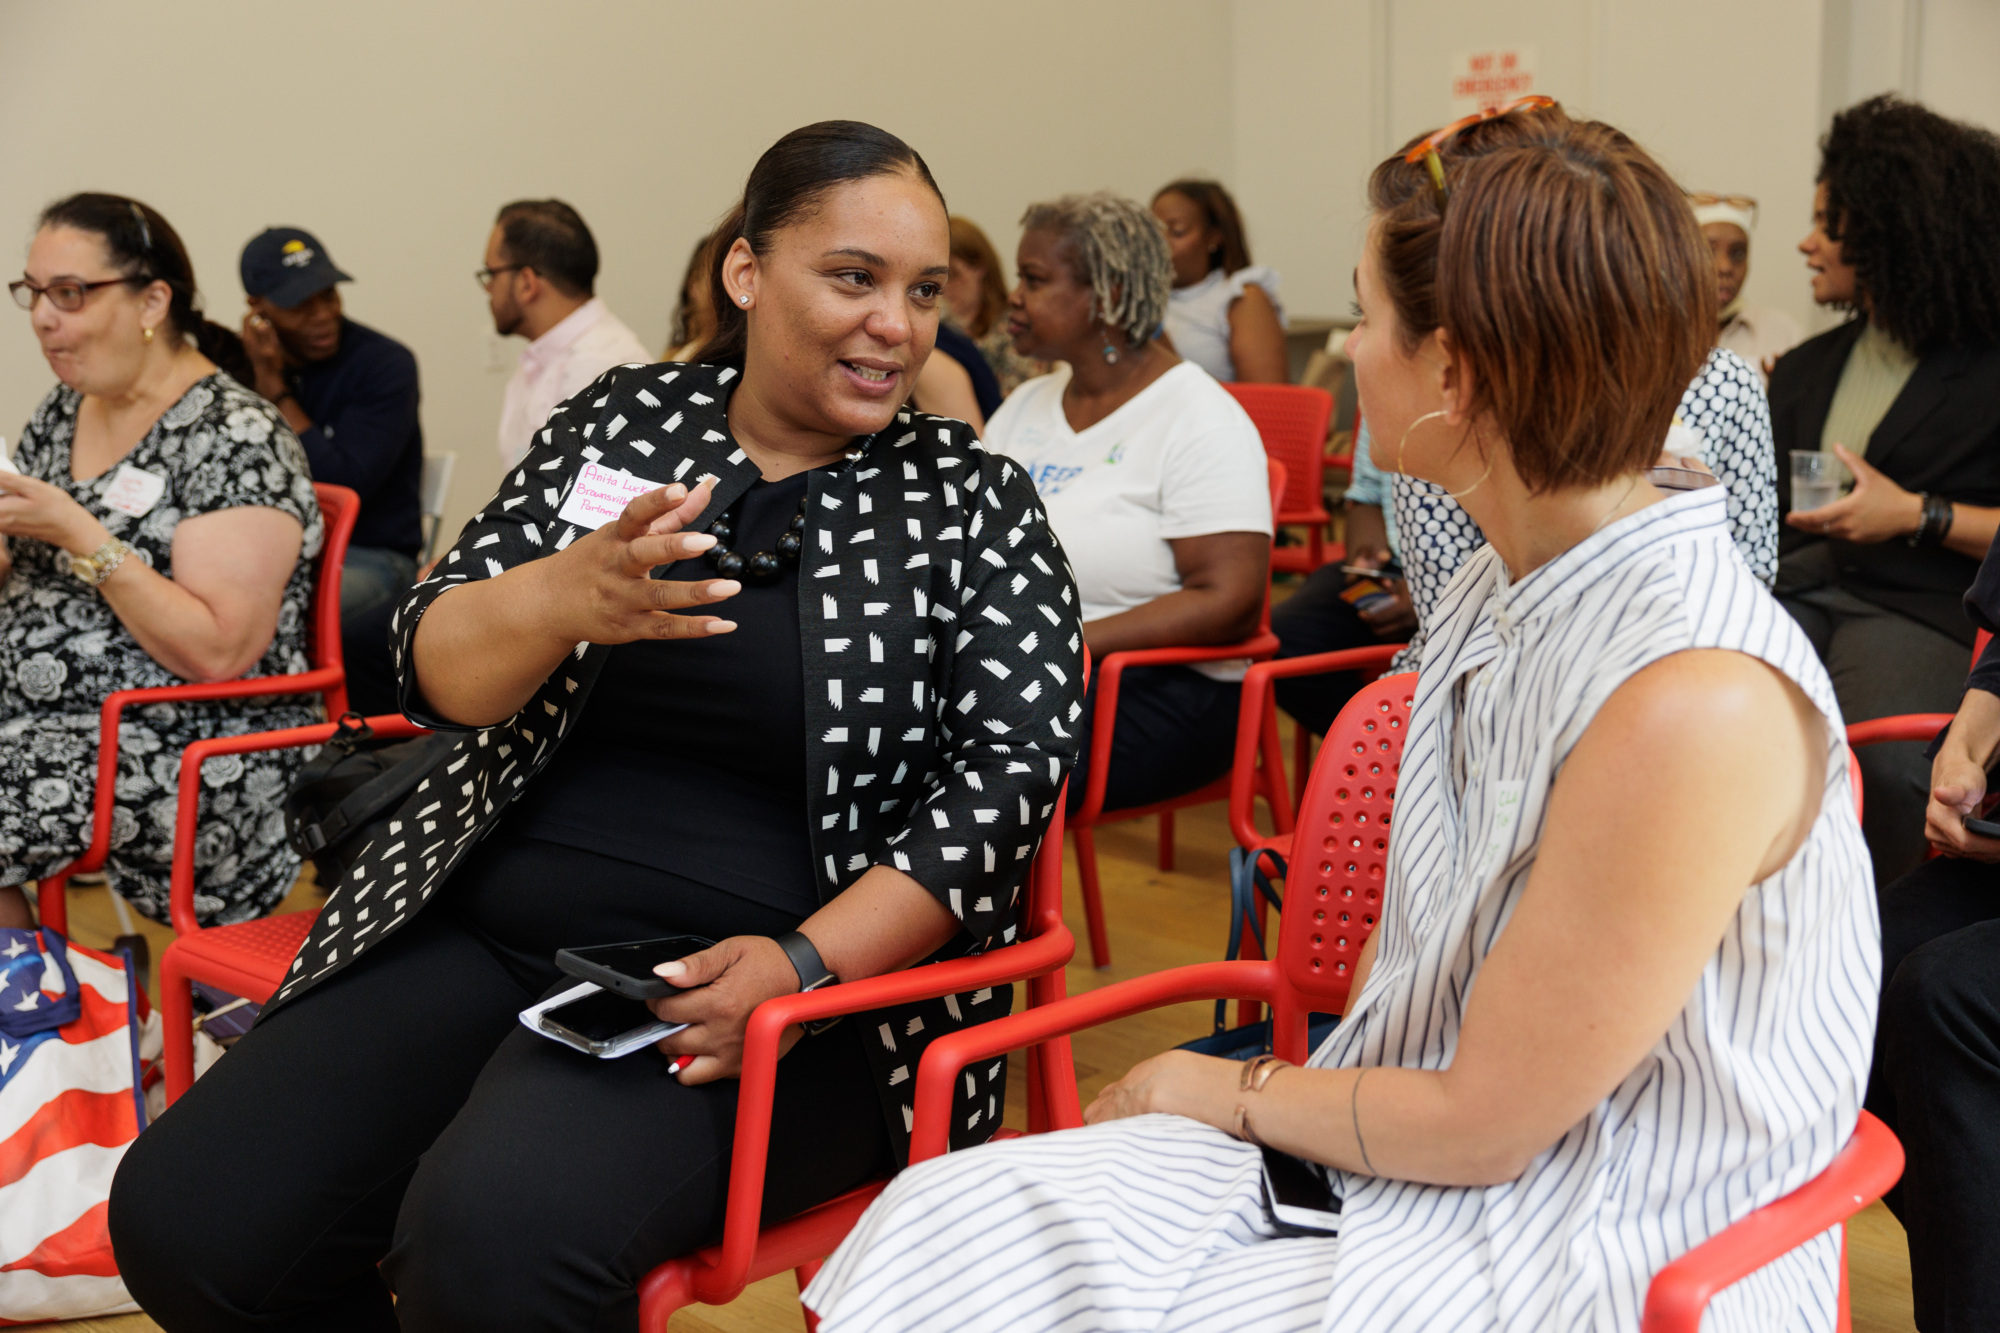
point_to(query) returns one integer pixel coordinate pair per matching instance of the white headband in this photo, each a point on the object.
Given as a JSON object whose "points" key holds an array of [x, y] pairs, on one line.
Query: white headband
{"points": [[1721, 212]]}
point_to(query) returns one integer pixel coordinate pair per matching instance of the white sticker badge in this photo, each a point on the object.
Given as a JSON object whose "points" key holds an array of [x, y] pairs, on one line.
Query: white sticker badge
{"points": [[1506, 814], [134, 491], [600, 496]]}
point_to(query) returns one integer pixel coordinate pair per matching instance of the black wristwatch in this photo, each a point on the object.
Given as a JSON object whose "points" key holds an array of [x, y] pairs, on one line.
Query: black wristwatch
{"points": [[812, 971]]}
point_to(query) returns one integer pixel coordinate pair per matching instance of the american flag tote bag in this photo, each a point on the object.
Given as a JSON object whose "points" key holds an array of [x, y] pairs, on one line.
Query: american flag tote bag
{"points": [[70, 1104]]}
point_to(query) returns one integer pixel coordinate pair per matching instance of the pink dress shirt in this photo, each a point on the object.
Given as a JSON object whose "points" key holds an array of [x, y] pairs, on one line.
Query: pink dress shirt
{"points": [[590, 341]]}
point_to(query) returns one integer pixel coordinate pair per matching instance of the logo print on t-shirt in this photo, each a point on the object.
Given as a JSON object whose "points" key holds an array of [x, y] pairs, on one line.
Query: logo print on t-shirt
{"points": [[1050, 478]]}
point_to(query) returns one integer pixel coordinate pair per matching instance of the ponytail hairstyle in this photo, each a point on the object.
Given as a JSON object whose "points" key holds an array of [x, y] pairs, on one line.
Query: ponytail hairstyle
{"points": [[788, 182], [145, 248], [1218, 210]]}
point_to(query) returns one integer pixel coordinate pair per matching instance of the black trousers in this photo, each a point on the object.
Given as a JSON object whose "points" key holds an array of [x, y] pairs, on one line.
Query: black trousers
{"points": [[1936, 1082], [398, 1129], [1176, 731], [1314, 619]]}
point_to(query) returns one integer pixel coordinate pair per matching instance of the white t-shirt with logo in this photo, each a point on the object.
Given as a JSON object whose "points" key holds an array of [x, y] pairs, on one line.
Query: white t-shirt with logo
{"points": [[1182, 459]]}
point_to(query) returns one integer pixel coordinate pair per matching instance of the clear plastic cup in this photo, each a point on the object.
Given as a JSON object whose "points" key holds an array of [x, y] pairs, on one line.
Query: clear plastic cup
{"points": [[1817, 479]]}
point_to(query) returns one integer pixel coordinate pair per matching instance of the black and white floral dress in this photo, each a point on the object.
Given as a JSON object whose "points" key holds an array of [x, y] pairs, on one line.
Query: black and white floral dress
{"points": [[62, 651]]}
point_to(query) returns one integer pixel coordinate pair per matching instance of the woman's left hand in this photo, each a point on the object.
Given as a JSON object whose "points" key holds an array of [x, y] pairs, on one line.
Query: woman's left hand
{"points": [[1200, 1087], [1876, 510], [720, 988], [33, 508]]}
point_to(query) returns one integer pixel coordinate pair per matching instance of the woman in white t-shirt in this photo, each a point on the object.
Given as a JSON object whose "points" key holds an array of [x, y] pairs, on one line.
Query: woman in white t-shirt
{"points": [[1153, 479], [1224, 314]]}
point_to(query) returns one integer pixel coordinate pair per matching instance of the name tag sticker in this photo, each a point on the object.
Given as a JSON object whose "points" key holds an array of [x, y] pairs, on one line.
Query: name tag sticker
{"points": [[134, 491], [601, 494], [1506, 814]]}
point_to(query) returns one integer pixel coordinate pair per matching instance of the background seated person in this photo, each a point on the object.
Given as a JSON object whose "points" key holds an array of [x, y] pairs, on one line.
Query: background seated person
{"points": [[351, 394], [1757, 333], [1154, 478], [1907, 395], [1224, 314], [822, 766], [1936, 1076], [958, 382], [160, 530], [975, 298], [1581, 1041]]}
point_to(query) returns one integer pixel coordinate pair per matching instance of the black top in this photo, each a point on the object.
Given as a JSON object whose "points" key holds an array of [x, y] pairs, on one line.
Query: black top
{"points": [[1942, 435], [690, 755], [363, 405], [985, 384]]}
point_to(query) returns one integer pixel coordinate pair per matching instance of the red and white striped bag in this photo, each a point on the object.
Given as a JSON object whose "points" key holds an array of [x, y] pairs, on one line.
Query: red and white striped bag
{"points": [[70, 1104]]}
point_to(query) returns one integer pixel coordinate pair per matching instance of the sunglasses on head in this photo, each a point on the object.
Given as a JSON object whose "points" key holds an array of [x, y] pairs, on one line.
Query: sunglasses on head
{"points": [[1706, 199], [1427, 151]]}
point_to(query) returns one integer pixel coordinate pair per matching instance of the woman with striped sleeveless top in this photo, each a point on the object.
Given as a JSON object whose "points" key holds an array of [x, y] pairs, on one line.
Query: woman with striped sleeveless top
{"points": [[1624, 982]]}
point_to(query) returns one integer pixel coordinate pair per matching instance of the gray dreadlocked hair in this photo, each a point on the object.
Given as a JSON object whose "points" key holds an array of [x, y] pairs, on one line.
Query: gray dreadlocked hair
{"points": [[1120, 250]]}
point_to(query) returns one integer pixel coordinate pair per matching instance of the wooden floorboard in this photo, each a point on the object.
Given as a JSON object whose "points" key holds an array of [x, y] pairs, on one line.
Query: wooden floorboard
{"points": [[1157, 920]]}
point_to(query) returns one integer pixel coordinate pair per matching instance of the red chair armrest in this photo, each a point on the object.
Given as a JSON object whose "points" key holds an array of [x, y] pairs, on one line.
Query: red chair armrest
{"points": [[1907, 727], [745, 1217], [1255, 708], [180, 901], [949, 1055], [1863, 1170], [1104, 715]]}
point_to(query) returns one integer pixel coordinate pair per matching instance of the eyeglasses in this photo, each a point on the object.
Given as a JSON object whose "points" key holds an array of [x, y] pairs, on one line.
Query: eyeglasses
{"points": [[1427, 151], [64, 296], [484, 277], [1704, 199]]}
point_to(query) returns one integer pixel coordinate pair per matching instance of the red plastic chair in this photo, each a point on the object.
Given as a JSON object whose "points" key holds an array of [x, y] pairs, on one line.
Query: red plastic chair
{"points": [[1293, 419], [1330, 908], [751, 1251], [328, 678], [1088, 816], [249, 958]]}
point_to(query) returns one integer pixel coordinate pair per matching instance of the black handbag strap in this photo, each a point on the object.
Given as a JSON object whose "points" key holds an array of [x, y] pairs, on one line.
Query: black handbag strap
{"points": [[1247, 880]]}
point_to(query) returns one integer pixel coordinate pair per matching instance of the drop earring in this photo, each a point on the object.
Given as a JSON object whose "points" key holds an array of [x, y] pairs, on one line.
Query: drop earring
{"points": [[1110, 353]]}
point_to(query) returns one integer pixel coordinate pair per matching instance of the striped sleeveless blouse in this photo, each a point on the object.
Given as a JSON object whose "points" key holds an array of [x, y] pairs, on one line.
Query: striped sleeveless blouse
{"points": [[1155, 1223]]}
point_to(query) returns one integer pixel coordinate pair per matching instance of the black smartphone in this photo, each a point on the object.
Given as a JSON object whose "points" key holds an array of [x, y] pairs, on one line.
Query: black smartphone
{"points": [[602, 1024], [1298, 1198], [627, 969], [1985, 828]]}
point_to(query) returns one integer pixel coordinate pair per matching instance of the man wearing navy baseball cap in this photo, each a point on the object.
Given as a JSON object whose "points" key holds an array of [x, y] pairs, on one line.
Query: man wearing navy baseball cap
{"points": [[351, 394]]}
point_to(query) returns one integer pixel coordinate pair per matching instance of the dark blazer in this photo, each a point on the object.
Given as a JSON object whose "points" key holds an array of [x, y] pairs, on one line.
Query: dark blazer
{"points": [[1942, 435], [943, 679]]}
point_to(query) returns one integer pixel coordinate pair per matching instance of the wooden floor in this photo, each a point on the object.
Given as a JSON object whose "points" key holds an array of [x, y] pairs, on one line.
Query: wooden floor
{"points": [[1157, 921]]}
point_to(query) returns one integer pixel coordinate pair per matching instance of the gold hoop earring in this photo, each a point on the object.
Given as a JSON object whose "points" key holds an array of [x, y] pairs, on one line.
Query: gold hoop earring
{"points": [[1460, 495], [1404, 443], [146, 334]]}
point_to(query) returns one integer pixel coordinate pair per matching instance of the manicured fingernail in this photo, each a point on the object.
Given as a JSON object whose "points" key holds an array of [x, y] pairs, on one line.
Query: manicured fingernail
{"points": [[670, 970], [700, 541], [724, 588], [721, 626]]}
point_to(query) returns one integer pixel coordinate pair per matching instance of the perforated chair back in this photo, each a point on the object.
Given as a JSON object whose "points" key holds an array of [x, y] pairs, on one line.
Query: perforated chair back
{"points": [[432, 491], [1340, 857], [1292, 419]]}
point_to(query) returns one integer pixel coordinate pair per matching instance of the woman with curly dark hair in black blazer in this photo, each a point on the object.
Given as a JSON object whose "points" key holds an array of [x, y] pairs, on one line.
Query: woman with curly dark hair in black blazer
{"points": [[1906, 234], [846, 775]]}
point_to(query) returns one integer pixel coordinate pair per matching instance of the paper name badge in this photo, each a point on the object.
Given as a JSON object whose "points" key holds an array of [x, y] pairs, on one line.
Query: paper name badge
{"points": [[134, 491], [6, 463], [600, 496]]}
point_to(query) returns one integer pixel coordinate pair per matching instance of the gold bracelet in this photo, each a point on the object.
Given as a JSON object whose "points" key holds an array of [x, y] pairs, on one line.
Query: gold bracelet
{"points": [[1257, 1071]]}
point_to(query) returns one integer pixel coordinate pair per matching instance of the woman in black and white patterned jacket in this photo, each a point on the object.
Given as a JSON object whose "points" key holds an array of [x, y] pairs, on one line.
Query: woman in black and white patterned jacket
{"points": [[849, 774]]}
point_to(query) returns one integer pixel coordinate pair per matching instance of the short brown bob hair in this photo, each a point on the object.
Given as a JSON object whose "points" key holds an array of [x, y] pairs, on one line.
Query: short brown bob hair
{"points": [[1567, 268]]}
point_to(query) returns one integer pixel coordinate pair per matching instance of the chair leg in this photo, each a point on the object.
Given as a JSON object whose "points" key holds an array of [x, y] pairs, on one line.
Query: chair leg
{"points": [[1038, 1108], [1093, 902], [1166, 840], [176, 1025], [806, 1272], [1302, 742], [1841, 1322], [1059, 1084], [665, 1291]]}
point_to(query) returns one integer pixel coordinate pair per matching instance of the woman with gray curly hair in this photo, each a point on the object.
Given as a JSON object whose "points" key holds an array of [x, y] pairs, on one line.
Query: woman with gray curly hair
{"points": [[1154, 481]]}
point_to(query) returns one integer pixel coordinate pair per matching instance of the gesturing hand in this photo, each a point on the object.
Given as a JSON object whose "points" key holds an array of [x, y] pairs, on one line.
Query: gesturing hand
{"points": [[720, 988], [1874, 511], [33, 508], [599, 589]]}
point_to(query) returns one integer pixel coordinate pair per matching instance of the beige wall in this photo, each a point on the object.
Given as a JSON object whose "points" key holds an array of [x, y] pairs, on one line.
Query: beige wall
{"points": [[394, 130]]}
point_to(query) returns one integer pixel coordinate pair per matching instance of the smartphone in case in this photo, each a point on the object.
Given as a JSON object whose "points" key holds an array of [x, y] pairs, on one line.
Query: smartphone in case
{"points": [[597, 1021], [1298, 1198], [1985, 828], [627, 969]]}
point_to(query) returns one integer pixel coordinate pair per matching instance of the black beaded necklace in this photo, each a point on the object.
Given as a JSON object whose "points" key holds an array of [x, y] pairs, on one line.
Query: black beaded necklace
{"points": [[759, 569]]}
